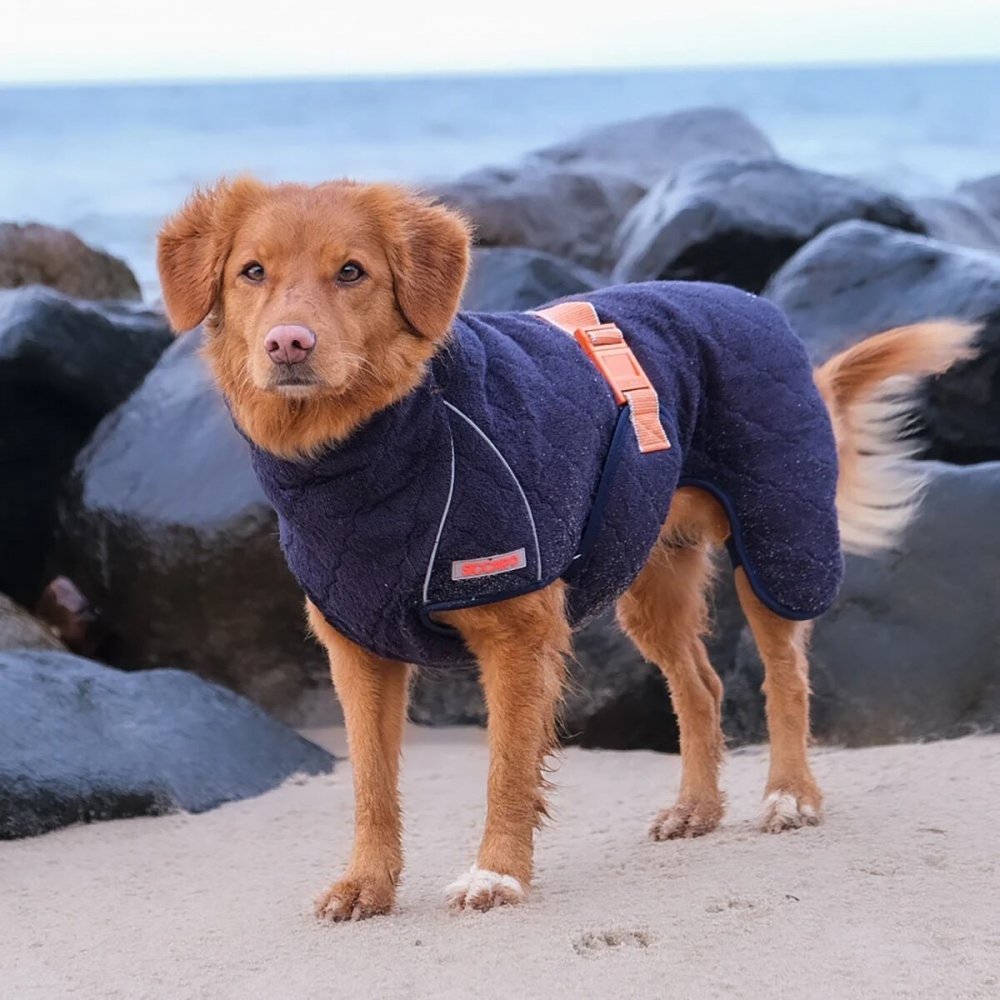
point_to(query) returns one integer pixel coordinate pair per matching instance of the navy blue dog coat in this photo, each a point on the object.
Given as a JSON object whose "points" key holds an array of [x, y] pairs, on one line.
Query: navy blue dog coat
{"points": [[512, 466]]}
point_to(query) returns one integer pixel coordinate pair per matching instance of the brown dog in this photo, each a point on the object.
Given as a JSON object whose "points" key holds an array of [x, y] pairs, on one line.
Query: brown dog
{"points": [[352, 289]]}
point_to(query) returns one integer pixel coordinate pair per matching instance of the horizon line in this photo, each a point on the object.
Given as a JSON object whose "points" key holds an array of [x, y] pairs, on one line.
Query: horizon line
{"points": [[499, 73]]}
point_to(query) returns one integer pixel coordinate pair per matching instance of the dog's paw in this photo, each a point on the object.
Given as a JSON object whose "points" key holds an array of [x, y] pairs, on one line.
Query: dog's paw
{"points": [[480, 889], [355, 899], [687, 819], [784, 810]]}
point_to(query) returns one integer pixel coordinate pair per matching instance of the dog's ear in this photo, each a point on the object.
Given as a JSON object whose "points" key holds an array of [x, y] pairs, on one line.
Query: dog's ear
{"points": [[193, 245], [429, 258]]}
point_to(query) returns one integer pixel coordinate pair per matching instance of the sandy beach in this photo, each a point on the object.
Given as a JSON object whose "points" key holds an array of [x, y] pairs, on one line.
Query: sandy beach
{"points": [[895, 896]]}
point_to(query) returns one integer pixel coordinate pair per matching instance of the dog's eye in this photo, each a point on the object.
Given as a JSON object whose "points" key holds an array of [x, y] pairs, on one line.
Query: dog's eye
{"points": [[253, 271], [352, 271]]}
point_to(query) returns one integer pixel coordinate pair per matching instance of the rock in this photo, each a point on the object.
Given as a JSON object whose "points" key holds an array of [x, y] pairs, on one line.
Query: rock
{"points": [[909, 649], [613, 700], [985, 192], [63, 366], [569, 199], [958, 220], [858, 278], [20, 630], [738, 221], [42, 255], [568, 213], [511, 278], [647, 149], [447, 698], [70, 616], [165, 528], [81, 742]]}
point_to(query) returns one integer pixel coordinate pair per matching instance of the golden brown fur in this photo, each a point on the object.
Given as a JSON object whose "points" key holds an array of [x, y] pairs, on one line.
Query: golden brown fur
{"points": [[245, 258]]}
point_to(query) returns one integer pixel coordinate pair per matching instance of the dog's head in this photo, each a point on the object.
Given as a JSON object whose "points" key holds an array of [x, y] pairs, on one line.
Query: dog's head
{"points": [[321, 304]]}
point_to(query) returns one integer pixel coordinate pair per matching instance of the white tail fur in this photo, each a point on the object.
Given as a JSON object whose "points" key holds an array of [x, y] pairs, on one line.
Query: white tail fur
{"points": [[870, 390]]}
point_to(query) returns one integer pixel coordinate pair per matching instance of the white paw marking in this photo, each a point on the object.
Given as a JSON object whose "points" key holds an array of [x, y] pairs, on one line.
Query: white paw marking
{"points": [[480, 888], [782, 811]]}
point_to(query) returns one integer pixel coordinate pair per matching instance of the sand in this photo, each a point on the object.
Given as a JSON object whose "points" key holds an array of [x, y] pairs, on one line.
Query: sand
{"points": [[897, 895]]}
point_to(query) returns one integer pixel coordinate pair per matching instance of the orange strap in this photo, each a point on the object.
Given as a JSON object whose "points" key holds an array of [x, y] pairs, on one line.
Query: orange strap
{"points": [[605, 345]]}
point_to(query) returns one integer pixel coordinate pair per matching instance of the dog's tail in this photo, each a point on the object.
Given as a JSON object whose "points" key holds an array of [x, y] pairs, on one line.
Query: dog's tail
{"points": [[870, 391]]}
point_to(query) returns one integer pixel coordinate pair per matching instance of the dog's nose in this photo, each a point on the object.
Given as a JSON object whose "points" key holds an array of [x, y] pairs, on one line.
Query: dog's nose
{"points": [[289, 344]]}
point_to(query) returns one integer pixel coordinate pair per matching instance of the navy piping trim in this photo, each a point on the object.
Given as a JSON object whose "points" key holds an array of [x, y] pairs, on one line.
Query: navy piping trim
{"points": [[736, 547], [428, 610], [596, 515]]}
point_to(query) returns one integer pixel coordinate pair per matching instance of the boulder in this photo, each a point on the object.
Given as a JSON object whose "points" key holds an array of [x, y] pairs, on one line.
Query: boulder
{"points": [[512, 278], [63, 366], [858, 278], [909, 651], [613, 700], [565, 212], [960, 220], [569, 199], [71, 617], [166, 530], [20, 630], [42, 255], [81, 742], [738, 221], [985, 192], [647, 149]]}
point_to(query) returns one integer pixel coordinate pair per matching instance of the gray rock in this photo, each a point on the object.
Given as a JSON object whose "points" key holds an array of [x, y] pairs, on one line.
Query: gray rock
{"points": [[738, 221], [985, 192], [647, 149], [858, 278], [960, 220], [909, 651], [566, 212], [613, 699], [81, 742], [42, 255], [165, 528], [20, 630], [447, 698], [63, 366], [512, 278], [569, 199]]}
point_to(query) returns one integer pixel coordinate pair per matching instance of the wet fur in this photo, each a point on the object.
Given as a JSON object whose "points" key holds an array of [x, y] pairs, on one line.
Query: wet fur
{"points": [[373, 344]]}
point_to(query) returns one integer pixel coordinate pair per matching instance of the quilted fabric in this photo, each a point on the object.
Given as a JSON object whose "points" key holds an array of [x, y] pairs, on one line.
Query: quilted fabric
{"points": [[512, 466]]}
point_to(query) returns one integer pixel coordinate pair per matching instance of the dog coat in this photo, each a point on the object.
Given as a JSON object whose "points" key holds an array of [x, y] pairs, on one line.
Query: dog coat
{"points": [[512, 465]]}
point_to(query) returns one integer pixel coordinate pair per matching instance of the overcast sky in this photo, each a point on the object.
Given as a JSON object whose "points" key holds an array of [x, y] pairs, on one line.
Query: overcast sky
{"points": [[69, 40]]}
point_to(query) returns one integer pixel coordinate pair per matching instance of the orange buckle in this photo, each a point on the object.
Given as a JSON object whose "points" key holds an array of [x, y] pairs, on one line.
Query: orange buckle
{"points": [[605, 346]]}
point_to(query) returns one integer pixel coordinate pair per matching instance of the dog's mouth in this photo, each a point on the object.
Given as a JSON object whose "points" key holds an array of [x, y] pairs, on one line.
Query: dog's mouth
{"points": [[294, 384], [303, 381]]}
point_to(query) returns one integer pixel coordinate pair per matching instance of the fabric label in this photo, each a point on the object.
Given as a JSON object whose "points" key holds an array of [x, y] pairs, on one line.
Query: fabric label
{"points": [[472, 569]]}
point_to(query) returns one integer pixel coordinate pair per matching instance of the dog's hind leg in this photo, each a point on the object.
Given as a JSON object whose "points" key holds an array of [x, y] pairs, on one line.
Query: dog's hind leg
{"points": [[665, 613], [521, 645], [791, 798], [373, 693]]}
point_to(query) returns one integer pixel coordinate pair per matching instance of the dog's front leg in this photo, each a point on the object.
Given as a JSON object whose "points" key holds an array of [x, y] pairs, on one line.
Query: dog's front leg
{"points": [[373, 694], [521, 645]]}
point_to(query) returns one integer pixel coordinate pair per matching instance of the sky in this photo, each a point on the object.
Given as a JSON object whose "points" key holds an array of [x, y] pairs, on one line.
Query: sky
{"points": [[72, 40]]}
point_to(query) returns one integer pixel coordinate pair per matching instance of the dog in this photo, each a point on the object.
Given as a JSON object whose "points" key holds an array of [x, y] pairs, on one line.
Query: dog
{"points": [[438, 475]]}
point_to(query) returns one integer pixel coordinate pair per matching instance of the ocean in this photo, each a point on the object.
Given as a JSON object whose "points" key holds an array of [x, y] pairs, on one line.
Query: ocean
{"points": [[109, 161]]}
